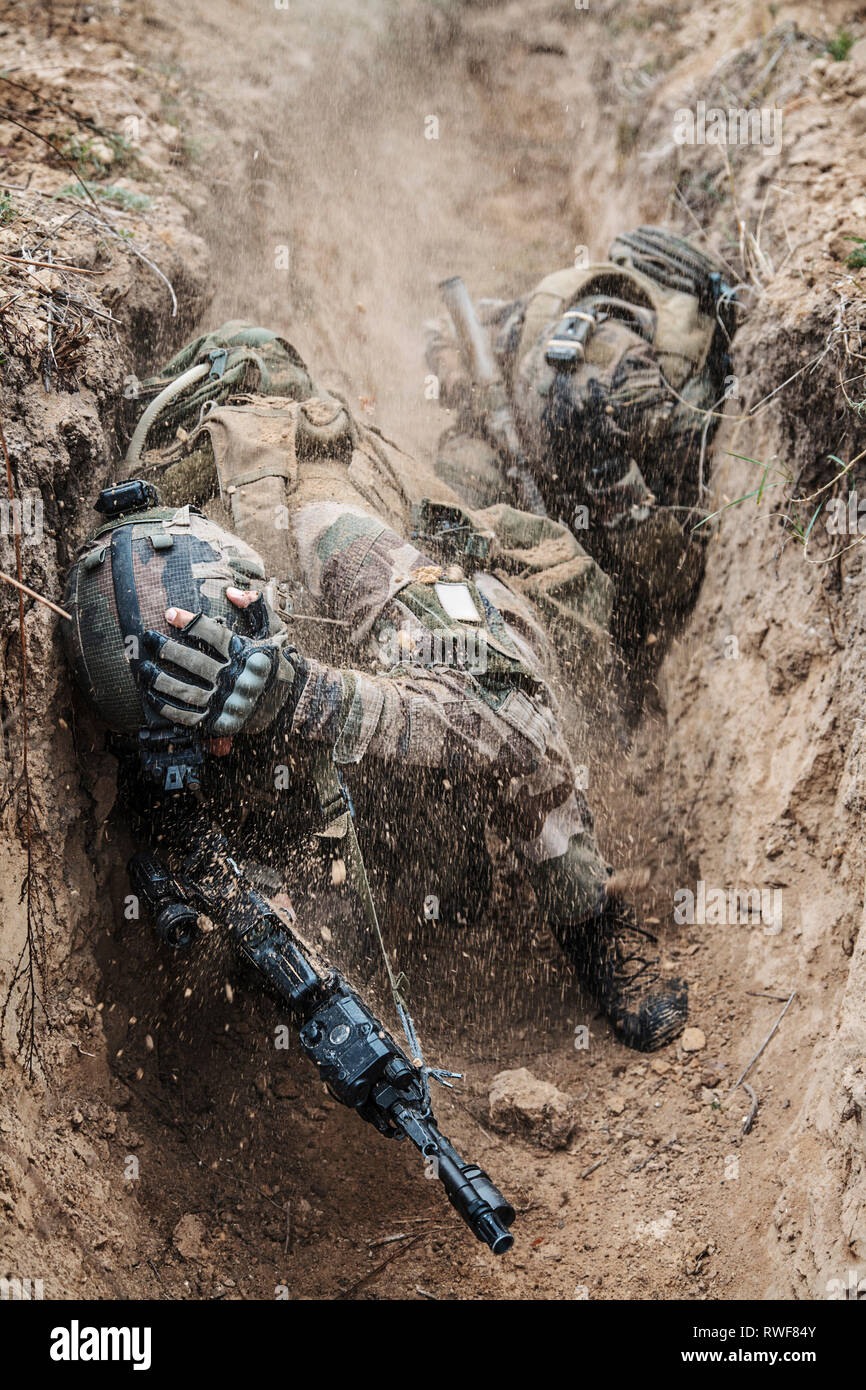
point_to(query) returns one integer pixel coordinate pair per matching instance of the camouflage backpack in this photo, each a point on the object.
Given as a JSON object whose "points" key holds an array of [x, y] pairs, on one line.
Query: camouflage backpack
{"points": [[619, 358], [237, 358]]}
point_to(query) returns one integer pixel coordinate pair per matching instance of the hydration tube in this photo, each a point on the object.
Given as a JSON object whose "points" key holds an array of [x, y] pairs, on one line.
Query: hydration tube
{"points": [[136, 444]]}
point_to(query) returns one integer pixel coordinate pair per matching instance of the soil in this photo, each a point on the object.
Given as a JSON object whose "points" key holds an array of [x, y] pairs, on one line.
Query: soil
{"points": [[153, 1142]]}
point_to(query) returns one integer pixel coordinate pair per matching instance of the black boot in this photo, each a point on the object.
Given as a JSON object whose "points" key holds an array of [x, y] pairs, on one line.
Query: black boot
{"points": [[610, 954]]}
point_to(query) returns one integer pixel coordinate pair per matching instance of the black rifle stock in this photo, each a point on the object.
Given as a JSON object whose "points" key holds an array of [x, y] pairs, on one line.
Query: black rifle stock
{"points": [[363, 1066], [484, 374]]}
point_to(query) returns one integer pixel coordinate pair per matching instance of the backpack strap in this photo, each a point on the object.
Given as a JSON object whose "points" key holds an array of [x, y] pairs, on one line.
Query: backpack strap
{"points": [[255, 450]]}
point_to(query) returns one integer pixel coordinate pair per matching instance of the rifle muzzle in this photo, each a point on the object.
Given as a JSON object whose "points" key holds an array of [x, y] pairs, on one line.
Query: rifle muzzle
{"points": [[478, 1201], [490, 1229]]}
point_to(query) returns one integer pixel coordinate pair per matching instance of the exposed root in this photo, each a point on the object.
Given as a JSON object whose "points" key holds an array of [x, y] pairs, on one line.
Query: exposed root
{"points": [[26, 987]]}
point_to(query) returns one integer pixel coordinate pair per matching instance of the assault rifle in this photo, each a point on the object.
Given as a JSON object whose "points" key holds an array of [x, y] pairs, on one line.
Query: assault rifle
{"points": [[485, 377], [362, 1065]]}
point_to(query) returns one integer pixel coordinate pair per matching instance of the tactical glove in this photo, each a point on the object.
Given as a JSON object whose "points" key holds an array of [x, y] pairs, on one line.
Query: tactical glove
{"points": [[223, 675]]}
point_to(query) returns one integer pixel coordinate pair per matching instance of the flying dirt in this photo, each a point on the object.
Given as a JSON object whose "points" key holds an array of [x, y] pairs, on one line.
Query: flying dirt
{"points": [[431, 561]]}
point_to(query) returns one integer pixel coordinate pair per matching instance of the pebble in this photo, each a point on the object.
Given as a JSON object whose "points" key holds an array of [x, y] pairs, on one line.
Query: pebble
{"points": [[188, 1237]]}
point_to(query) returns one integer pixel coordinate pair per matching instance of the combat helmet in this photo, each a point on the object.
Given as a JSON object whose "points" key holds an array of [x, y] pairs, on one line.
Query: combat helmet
{"points": [[142, 559]]}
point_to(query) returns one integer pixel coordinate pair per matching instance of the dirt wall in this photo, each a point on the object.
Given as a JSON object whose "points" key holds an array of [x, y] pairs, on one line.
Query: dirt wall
{"points": [[555, 130]]}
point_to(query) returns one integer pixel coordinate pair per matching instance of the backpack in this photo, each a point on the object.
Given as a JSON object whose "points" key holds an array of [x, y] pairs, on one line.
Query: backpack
{"points": [[240, 358], [605, 351]]}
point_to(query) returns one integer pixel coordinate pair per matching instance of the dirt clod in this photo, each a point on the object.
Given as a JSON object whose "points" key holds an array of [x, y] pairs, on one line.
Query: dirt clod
{"points": [[188, 1237], [535, 1110]]}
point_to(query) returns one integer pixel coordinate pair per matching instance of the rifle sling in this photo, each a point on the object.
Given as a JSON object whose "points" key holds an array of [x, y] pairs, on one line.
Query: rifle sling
{"points": [[340, 825]]}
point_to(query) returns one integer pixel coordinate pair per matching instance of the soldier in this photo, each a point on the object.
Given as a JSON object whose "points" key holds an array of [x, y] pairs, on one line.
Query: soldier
{"points": [[609, 370], [178, 627]]}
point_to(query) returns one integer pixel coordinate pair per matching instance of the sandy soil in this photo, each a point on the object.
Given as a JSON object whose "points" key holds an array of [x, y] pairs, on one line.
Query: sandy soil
{"points": [[305, 129]]}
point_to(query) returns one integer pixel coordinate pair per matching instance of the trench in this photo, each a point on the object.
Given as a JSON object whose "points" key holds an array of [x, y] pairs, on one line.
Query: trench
{"points": [[346, 158]]}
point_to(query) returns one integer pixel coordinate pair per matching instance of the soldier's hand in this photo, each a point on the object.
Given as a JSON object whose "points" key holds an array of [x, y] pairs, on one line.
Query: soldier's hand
{"points": [[224, 674]]}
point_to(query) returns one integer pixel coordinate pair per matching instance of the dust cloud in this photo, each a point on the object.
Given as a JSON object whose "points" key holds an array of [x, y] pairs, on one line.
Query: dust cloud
{"points": [[370, 151]]}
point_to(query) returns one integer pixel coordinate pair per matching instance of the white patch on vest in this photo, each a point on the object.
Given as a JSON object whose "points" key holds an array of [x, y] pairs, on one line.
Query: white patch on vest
{"points": [[458, 602]]}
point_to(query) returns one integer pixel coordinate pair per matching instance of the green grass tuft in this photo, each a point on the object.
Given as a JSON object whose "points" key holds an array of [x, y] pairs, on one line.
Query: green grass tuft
{"points": [[123, 198], [840, 45], [857, 258]]}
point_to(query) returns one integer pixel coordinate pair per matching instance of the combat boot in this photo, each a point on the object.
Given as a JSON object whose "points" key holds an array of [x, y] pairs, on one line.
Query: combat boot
{"points": [[620, 970]]}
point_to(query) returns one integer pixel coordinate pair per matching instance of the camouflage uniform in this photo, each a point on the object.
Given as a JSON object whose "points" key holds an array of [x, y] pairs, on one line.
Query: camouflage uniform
{"points": [[325, 506], [322, 499]]}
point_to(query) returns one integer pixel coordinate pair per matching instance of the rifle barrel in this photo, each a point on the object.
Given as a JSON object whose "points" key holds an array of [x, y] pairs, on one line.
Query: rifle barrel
{"points": [[356, 1056], [474, 344]]}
